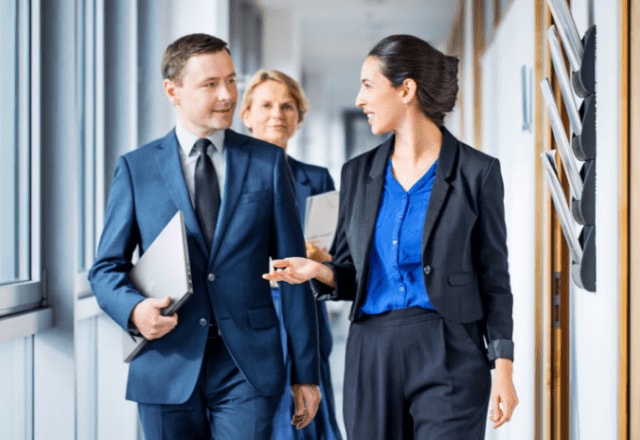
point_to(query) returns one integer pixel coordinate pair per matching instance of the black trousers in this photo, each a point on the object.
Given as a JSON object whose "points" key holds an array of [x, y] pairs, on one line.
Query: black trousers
{"points": [[411, 374]]}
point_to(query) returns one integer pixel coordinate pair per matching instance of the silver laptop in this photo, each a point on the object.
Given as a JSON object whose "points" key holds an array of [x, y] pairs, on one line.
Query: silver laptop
{"points": [[163, 270]]}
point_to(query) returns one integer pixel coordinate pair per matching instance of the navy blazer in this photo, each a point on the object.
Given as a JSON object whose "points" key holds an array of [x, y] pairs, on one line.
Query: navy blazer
{"points": [[464, 251], [258, 220], [310, 180]]}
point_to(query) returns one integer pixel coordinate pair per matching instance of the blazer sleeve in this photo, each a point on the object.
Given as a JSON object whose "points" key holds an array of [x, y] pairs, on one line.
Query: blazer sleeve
{"points": [[109, 273], [342, 264], [298, 303], [492, 264]]}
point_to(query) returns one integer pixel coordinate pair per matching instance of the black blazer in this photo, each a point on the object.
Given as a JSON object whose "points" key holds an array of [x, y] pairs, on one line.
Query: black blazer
{"points": [[464, 252]]}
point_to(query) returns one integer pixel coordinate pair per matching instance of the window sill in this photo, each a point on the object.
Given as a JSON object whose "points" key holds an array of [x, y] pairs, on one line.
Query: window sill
{"points": [[25, 324]]}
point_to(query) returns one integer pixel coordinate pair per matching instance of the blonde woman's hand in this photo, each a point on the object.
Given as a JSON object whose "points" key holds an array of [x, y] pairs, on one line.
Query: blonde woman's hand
{"points": [[316, 253]]}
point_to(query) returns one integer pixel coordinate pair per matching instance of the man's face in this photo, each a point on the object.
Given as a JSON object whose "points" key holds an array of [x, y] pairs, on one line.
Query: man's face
{"points": [[207, 94]]}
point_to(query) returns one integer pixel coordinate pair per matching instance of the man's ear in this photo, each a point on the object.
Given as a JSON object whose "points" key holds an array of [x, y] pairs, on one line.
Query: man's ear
{"points": [[170, 89]]}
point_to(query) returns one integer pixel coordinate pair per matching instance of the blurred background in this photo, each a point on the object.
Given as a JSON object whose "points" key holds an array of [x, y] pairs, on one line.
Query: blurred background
{"points": [[82, 85]]}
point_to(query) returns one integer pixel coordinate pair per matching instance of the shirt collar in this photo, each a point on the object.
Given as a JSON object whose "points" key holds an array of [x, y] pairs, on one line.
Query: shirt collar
{"points": [[186, 139]]}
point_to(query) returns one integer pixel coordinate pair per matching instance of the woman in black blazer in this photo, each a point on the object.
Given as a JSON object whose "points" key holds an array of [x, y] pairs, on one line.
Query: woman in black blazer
{"points": [[421, 251]]}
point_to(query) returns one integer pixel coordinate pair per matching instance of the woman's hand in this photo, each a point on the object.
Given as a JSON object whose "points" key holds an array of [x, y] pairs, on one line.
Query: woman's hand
{"points": [[296, 270], [316, 253], [503, 394]]}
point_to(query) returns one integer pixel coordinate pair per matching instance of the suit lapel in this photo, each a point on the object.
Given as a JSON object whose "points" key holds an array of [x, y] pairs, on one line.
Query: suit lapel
{"points": [[446, 161], [237, 161], [373, 194], [167, 158]]}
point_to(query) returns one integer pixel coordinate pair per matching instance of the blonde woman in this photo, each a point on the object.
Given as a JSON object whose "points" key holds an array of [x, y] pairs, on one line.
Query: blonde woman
{"points": [[272, 109]]}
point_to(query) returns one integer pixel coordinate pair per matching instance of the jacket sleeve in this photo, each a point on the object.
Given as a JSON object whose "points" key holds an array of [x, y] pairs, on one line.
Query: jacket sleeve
{"points": [[298, 303], [120, 237], [492, 261], [342, 264]]}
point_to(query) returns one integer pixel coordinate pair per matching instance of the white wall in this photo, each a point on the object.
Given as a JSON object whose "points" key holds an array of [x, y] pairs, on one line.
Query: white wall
{"points": [[594, 337], [161, 22], [503, 137], [281, 51], [595, 342]]}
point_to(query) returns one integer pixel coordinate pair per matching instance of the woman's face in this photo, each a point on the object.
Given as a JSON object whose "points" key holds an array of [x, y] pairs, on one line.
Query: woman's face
{"points": [[273, 115], [378, 99]]}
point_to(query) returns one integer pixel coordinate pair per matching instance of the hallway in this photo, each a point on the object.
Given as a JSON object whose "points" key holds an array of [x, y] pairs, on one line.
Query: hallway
{"points": [[84, 87]]}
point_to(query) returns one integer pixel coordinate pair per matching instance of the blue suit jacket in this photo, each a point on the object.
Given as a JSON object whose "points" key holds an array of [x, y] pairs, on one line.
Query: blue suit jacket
{"points": [[257, 220], [310, 180]]}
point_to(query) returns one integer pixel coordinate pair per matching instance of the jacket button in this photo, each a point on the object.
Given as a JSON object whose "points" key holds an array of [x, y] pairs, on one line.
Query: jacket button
{"points": [[203, 322], [211, 277], [427, 269]]}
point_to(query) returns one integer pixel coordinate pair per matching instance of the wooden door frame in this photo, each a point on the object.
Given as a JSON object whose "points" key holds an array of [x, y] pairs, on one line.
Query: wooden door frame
{"points": [[630, 231], [553, 280], [542, 69]]}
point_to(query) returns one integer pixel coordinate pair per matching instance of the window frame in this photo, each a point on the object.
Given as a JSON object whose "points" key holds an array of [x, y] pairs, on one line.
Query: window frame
{"points": [[23, 304]]}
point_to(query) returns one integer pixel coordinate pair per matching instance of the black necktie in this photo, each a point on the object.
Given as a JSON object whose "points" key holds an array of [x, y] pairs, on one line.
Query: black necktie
{"points": [[207, 192]]}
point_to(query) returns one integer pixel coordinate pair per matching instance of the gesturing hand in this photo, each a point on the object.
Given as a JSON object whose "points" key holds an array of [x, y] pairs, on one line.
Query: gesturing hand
{"points": [[293, 270]]}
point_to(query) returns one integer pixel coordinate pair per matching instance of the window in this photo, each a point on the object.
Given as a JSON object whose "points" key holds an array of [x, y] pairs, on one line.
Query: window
{"points": [[19, 167], [88, 176]]}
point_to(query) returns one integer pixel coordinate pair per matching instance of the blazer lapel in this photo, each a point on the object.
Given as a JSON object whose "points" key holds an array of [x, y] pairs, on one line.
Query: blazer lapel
{"points": [[373, 194], [446, 161], [237, 160], [168, 160]]}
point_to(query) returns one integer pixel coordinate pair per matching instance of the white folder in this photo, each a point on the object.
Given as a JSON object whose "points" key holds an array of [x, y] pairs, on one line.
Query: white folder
{"points": [[321, 218], [163, 270]]}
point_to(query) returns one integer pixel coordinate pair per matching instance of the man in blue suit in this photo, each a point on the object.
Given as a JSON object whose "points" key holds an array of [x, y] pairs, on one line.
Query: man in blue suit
{"points": [[217, 371]]}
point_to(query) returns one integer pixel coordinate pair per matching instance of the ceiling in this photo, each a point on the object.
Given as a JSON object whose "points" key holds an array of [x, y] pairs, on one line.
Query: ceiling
{"points": [[333, 38], [337, 34]]}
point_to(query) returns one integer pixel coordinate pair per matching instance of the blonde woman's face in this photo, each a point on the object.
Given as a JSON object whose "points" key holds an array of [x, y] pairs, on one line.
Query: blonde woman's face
{"points": [[273, 115]]}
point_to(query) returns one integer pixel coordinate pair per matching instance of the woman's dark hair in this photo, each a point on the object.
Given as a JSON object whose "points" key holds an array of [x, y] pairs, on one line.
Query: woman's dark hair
{"points": [[178, 53], [436, 74]]}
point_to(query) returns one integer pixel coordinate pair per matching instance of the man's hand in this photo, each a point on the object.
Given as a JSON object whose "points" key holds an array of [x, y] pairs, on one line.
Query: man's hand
{"points": [[503, 394], [151, 324], [307, 400]]}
